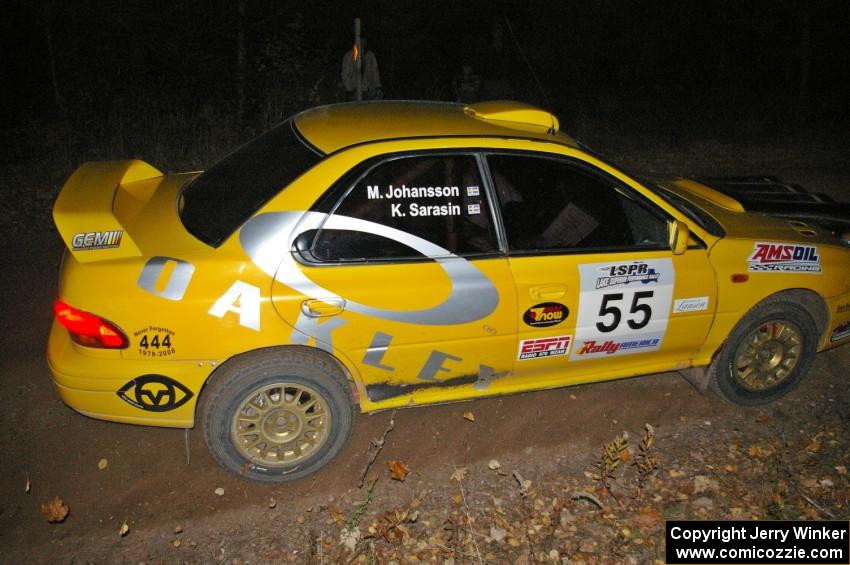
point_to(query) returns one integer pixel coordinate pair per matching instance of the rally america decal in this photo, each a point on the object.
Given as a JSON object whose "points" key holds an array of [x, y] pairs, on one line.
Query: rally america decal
{"points": [[624, 307], [784, 258], [544, 347]]}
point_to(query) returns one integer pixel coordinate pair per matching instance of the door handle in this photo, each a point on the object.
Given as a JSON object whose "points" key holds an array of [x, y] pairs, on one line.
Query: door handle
{"points": [[320, 308], [547, 292]]}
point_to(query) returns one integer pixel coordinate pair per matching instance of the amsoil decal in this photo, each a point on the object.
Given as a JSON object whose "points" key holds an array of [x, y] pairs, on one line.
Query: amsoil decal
{"points": [[841, 331], [96, 240], [545, 314], [610, 347], [544, 347], [784, 258], [843, 308], [624, 307], [155, 393]]}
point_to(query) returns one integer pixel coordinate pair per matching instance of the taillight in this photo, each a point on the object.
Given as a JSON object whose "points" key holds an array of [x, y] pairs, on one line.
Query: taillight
{"points": [[88, 329]]}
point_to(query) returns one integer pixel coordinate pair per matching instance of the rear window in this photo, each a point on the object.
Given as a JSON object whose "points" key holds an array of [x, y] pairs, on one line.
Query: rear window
{"points": [[224, 197]]}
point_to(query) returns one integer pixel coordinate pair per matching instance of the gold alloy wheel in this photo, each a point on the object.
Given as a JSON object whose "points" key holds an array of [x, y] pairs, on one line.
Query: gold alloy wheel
{"points": [[768, 355], [281, 424]]}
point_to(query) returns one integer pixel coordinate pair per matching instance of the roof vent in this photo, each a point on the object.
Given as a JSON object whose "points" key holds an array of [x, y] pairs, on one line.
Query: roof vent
{"points": [[506, 111]]}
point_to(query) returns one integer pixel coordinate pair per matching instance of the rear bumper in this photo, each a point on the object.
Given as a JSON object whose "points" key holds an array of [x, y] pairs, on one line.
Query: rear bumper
{"points": [[91, 381]]}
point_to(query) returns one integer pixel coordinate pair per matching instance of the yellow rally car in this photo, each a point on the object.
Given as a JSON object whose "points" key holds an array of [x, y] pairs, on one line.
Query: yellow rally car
{"points": [[367, 256]]}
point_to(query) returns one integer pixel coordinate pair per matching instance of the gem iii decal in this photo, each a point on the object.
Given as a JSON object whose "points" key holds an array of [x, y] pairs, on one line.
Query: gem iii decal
{"points": [[841, 331], [784, 258], [91, 240], [623, 307]]}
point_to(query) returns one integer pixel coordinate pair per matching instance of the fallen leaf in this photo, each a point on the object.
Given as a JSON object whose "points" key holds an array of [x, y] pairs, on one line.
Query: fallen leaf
{"points": [[494, 465], [125, 529], [469, 416], [842, 470], [28, 486], [272, 502], [349, 538], [498, 534], [178, 529], [102, 464], [176, 542], [55, 510], [398, 470], [459, 474], [219, 491], [336, 515], [674, 473]]}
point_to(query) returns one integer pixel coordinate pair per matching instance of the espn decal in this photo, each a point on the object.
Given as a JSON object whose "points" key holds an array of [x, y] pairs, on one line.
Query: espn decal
{"points": [[96, 240], [544, 347], [784, 258]]}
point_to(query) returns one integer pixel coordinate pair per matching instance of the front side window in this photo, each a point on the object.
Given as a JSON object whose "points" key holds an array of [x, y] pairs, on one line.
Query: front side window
{"points": [[438, 199], [551, 205]]}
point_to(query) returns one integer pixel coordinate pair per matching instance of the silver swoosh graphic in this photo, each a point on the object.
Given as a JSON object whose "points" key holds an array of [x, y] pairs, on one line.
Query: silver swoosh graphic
{"points": [[267, 239]]}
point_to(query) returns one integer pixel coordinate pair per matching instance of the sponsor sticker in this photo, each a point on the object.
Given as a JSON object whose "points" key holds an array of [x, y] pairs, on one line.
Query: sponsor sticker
{"points": [[784, 258], [698, 304], [87, 241], [843, 308], [624, 307], [611, 347], [544, 347], [626, 273], [545, 314], [155, 341], [841, 331], [155, 393]]}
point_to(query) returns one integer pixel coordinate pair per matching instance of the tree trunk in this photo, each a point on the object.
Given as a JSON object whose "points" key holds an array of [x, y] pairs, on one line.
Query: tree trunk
{"points": [[59, 104], [240, 65]]}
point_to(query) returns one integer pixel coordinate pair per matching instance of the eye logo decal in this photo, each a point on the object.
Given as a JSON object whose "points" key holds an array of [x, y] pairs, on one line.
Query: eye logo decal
{"points": [[267, 239], [155, 393]]}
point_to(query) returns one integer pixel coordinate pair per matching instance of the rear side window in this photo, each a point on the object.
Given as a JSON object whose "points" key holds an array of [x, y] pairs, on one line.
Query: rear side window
{"points": [[438, 199], [218, 202]]}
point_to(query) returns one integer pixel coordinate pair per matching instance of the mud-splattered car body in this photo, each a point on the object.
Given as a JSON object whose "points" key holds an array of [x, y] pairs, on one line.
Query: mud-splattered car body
{"points": [[432, 252]]}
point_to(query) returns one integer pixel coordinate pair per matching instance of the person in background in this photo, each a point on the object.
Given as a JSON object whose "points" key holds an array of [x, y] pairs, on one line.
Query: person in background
{"points": [[370, 77], [467, 85]]}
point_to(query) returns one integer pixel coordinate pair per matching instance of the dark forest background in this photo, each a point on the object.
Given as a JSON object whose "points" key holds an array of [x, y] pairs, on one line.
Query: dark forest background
{"points": [[180, 83]]}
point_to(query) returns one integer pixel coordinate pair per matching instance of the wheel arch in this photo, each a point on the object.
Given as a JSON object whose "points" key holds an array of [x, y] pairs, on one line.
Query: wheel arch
{"points": [[810, 300], [353, 383]]}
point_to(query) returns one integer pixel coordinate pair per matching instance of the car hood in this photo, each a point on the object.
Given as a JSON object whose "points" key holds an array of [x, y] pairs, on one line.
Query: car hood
{"points": [[741, 224]]}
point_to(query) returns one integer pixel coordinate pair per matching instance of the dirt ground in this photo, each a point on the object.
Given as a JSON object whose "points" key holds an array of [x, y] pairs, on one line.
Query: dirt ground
{"points": [[513, 485]]}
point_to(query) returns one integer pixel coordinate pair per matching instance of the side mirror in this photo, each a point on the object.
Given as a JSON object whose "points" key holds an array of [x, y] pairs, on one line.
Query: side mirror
{"points": [[680, 236]]}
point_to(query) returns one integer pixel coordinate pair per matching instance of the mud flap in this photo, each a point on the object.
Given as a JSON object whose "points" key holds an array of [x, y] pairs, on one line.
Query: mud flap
{"points": [[697, 377]]}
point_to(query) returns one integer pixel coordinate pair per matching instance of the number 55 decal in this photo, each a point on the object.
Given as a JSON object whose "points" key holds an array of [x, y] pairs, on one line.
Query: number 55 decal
{"points": [[623, 307], [606, 308]]}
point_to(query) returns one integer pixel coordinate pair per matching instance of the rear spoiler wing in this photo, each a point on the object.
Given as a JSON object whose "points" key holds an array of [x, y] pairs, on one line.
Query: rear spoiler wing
{"points": [[769, 195], [84, 210]]}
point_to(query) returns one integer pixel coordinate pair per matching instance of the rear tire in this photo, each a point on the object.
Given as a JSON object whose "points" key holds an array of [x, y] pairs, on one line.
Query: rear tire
{"points": [[767, 354], [277, 415]]}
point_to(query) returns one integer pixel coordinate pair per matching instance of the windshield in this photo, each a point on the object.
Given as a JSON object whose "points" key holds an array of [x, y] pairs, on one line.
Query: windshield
{"points": [[224, 197]]}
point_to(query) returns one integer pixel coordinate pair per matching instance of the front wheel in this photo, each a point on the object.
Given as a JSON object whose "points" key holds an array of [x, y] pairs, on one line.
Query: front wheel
{"points": [[766, 355], [277, 415]]}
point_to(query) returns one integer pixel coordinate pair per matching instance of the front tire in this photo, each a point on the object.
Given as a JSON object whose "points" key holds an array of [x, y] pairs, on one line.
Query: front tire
{"points": [[277, 415], [766, 355]]}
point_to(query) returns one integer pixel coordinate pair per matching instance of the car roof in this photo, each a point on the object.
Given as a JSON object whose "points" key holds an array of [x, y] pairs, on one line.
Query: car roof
{"points": [[334, 127]]}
